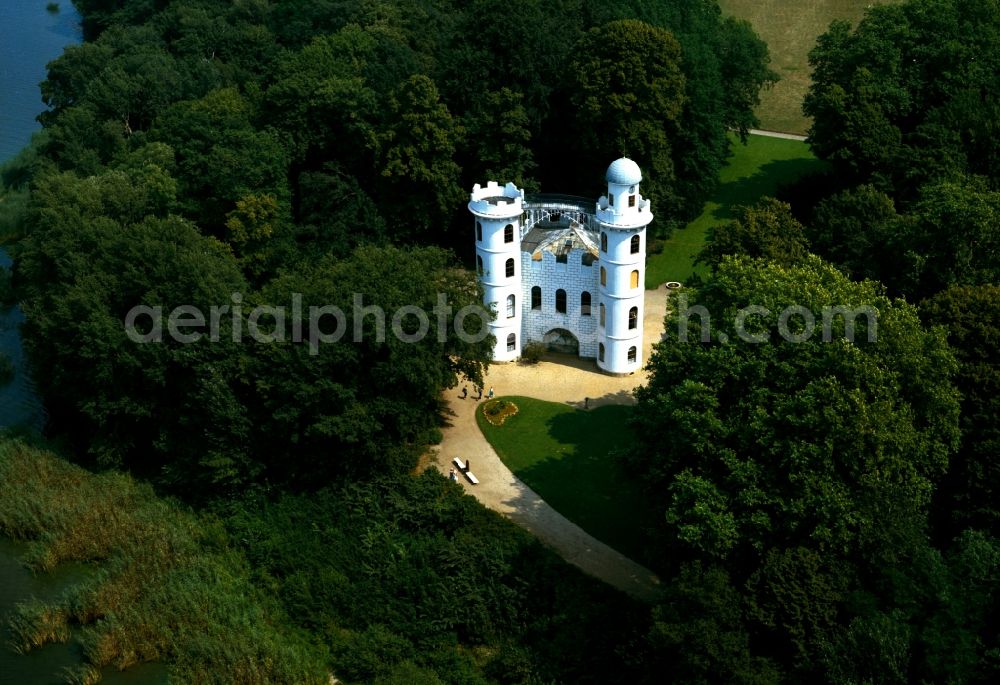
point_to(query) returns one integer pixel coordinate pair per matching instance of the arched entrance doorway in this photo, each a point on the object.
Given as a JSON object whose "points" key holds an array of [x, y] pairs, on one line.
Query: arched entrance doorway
{"points": [[562, 341]]}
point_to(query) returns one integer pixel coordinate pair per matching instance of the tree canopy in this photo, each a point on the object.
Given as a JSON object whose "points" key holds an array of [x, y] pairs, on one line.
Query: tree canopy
{"points": [[627, 92], [244, 161], [905, 107], [794, 429], [766, 230]]}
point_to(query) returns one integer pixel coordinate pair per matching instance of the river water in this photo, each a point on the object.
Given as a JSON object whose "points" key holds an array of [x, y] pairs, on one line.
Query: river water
{"points": [[30, 37]]}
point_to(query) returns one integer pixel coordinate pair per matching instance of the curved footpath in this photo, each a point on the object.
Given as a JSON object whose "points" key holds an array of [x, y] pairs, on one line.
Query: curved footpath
{"points": [[567, 380]]}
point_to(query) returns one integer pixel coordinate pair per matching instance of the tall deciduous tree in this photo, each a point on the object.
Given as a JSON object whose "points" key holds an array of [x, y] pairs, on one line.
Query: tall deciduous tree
{"points": [[420, 179], [766, 230], [221, 156], [969, 494], [893, 91], [859, 230], [949, 235], [627, 91], [800, 463], [165, 409], [498, 140], [322, 98], [793, 440], [353, 403]]}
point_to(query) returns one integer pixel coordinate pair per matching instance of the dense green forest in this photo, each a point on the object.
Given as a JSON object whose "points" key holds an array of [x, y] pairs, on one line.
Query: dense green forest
{"points": [[197, 149], [241, 154], [828, 507]]}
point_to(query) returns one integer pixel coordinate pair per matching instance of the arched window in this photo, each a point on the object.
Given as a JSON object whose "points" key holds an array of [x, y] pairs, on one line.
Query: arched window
{"points": [[508, 233], [635, 244], [479, 265], [585, 303], [510, 268], [611, 200], [536, 297], [604, 242], [587, 259], [634, 280], [561, 301], [601, 311], [600, 352], [604, 276], [511, 342], [510, 306], [633, 318], [631, 355], [479, 231]]}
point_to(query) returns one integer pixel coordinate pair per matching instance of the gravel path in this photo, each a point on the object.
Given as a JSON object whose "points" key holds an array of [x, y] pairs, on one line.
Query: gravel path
{"points": [[777, 134], [568, 380]]}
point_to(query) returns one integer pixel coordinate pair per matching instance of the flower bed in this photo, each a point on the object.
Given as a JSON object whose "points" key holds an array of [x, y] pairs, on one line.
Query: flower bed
{"points": [[498, 411]]}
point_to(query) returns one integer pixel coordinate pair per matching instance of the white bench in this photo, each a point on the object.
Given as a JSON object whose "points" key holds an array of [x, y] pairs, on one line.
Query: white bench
{"points": [[464, 470]]}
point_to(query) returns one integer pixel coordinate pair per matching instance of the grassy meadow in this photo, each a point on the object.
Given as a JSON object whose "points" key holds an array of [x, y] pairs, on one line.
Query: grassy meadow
{"points": [[756, 169], [566, 455], [790, 30]]}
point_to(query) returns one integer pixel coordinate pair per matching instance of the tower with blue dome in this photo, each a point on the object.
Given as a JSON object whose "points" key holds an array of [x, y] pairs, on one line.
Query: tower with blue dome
{"points": [[563, 272], [622, 216]]}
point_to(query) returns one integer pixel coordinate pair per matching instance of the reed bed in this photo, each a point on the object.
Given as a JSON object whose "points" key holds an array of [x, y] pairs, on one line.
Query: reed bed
{"points": [[167, 587]]}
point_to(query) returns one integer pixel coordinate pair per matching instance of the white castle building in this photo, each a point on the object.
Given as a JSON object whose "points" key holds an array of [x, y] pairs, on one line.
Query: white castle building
{"points": [[565, 272]]}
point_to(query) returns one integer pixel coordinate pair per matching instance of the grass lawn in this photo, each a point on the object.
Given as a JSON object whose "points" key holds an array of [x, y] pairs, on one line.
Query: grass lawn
{"points": [[755, 170], [565, 455], [790, 29]]}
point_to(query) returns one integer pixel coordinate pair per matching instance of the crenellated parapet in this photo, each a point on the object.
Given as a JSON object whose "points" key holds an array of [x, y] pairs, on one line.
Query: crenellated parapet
{"points": [[496, 201]]}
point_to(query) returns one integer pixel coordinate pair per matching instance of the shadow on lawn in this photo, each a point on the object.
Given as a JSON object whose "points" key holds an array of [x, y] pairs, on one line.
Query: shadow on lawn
{"points": [[622, 397], [586, 483], [765, 181]]}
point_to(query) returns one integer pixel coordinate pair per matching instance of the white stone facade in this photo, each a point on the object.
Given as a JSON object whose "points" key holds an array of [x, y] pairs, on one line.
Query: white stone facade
{"points": [[541, 261]]}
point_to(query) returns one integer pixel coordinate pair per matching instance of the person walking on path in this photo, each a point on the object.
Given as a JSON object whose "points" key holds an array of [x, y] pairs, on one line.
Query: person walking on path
{"points": [[452, 476], [489, 395], [465, 392], [479, 389]]}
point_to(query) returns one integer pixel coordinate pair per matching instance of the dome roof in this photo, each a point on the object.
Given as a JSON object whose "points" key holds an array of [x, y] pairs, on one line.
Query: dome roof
{"points": [[623, 172]]}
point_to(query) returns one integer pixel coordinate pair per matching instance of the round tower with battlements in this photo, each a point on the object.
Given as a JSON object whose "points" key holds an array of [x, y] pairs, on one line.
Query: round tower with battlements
{"points": [[498, 211], [622, 216]]}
